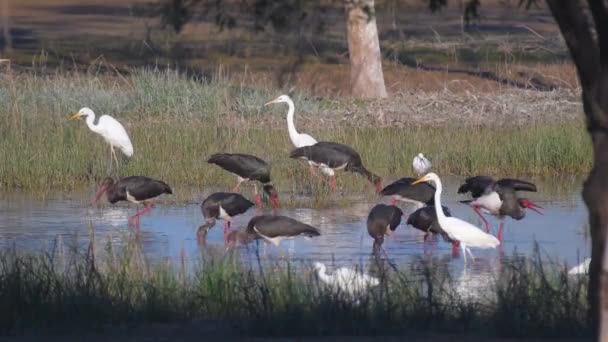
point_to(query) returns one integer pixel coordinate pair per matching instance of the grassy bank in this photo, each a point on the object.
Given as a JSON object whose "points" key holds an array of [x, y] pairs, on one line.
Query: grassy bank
{"points": [[176, 122], [69, 290]]}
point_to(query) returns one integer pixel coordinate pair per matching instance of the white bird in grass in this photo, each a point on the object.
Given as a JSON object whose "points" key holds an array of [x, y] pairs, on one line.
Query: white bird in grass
{"points": [[298, 139], [346, 280], [111, 130], [465, 233], [582, 268], [421, 165]]}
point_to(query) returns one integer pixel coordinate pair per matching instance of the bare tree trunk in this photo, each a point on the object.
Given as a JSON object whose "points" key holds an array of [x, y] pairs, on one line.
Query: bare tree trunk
{"points": [[5, 13], [366, 77], [587, 39]]}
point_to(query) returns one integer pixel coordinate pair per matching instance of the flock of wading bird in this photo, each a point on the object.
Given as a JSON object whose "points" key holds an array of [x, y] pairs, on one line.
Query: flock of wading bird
{"points": [[488, 195]]}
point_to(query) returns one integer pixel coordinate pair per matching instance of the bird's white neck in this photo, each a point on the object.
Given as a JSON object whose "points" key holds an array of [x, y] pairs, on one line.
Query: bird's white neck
{"points": [[438, 207], [91, 123], [291, 126]]}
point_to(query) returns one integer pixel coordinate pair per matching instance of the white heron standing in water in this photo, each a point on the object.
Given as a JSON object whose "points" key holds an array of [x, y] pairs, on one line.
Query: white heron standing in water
{"points": [[421, 165], [344, 279], [298, 139], [110, 129], [465, 233]]}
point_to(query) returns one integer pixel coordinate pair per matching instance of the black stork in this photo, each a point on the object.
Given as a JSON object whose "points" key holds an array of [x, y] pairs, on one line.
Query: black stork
{"points": [[223, 206], [498, 198], [403, 190], [425, 219], [135, 189], [272, 229], [330, 157], [247, 168], [382, 221]]}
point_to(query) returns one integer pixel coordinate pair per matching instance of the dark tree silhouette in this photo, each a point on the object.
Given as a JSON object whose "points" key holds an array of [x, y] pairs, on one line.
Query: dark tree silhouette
{"points": [[587, 39]]}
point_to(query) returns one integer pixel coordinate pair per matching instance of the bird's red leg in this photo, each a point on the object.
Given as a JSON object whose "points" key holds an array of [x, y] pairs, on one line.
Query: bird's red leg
{"points": [[487, 224], [333, 183], [394, 202], [502, 223], [455, 246], [237, 188], [138, 215]]}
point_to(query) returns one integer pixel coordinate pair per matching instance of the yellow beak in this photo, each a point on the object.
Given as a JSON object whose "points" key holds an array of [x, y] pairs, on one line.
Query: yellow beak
{"points": [[270, 102], [74, 117], [419, 180]]}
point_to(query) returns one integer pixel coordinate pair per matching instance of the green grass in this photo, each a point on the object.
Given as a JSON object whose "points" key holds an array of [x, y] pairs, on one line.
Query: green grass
{"points": [[69, 290], [176, 123]]}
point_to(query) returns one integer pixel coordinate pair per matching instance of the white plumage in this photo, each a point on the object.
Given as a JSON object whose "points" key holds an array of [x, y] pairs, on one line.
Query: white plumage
{"points": [[582, 268], [465, 233], [421, 165], [346, 280], [110, 129]]}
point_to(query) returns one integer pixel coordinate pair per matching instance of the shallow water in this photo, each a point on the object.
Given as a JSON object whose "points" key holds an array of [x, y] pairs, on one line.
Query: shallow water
{"points": [[29, 223]]}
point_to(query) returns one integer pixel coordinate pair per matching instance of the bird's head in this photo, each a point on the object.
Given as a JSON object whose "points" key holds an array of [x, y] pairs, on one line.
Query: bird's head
{"points": [[526, 203], [85, 111], [272, 193], [420, 155], [107, 182], [280, 99], [429, 177]]}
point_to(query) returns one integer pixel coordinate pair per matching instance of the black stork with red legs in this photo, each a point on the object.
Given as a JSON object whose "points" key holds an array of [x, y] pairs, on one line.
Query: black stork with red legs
{"points": [[330, 157], [498, 198], [247, 167], [223, 206], [271, 229], [134, 189]]}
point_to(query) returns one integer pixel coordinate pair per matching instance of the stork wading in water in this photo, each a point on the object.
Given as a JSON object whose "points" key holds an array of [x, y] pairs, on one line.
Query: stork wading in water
{"points": [[110, 130], [247, 167], [403, 190], [382, 221], [134, 189], [272, 229], [421, 165], [498, 198], [223, 206], [331, 157], [465, 233]]}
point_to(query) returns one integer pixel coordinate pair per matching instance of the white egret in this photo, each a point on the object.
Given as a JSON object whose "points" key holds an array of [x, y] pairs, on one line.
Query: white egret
{"points": [[582, 268], [346, 280], [421, 165], [465, 233], [110, 129]]}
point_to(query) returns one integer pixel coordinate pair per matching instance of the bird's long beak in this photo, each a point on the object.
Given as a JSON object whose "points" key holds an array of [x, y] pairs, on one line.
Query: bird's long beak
{"points": [[99, 194], [533, 206], [270, 102], [420, 180], [74, 117]]}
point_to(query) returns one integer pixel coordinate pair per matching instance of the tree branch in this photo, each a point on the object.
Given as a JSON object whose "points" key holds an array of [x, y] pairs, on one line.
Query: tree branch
{"points": [[575, 26], [600, 16]]}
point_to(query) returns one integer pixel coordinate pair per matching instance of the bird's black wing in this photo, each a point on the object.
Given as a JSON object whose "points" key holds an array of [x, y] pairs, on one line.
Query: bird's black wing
{"points": [[243, 165], [235, 204], [273, 226], [344, 149], [143, 188], [477, 185], [515, 184], [426, 219], [421, 192], [322, 155], [384, 215]]}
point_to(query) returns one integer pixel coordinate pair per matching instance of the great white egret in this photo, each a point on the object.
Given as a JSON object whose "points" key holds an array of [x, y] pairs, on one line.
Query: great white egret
{"points": [[349, 281], [298, 139], [224, 206], [498, 198], [421, 165], [135, 189], [247, 167], [272, 229], [382, 221], [336, 156], [110, 129], [465, 233]]}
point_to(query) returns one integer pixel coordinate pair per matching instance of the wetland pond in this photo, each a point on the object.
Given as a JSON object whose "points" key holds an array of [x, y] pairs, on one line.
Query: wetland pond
{"points": [[168, 233]]}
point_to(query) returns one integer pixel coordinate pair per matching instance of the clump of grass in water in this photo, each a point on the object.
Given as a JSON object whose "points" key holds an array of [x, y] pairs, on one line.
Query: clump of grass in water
{"points": [[60, 292], [176, 123]]}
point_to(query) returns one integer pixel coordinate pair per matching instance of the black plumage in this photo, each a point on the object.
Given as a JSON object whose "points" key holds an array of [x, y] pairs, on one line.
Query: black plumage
{"points": [[272, 229], [480, 185], [135, 189], [425, 219], [382, 220], [248, 168], [222, 205], [337, 157], [403, 190]]}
